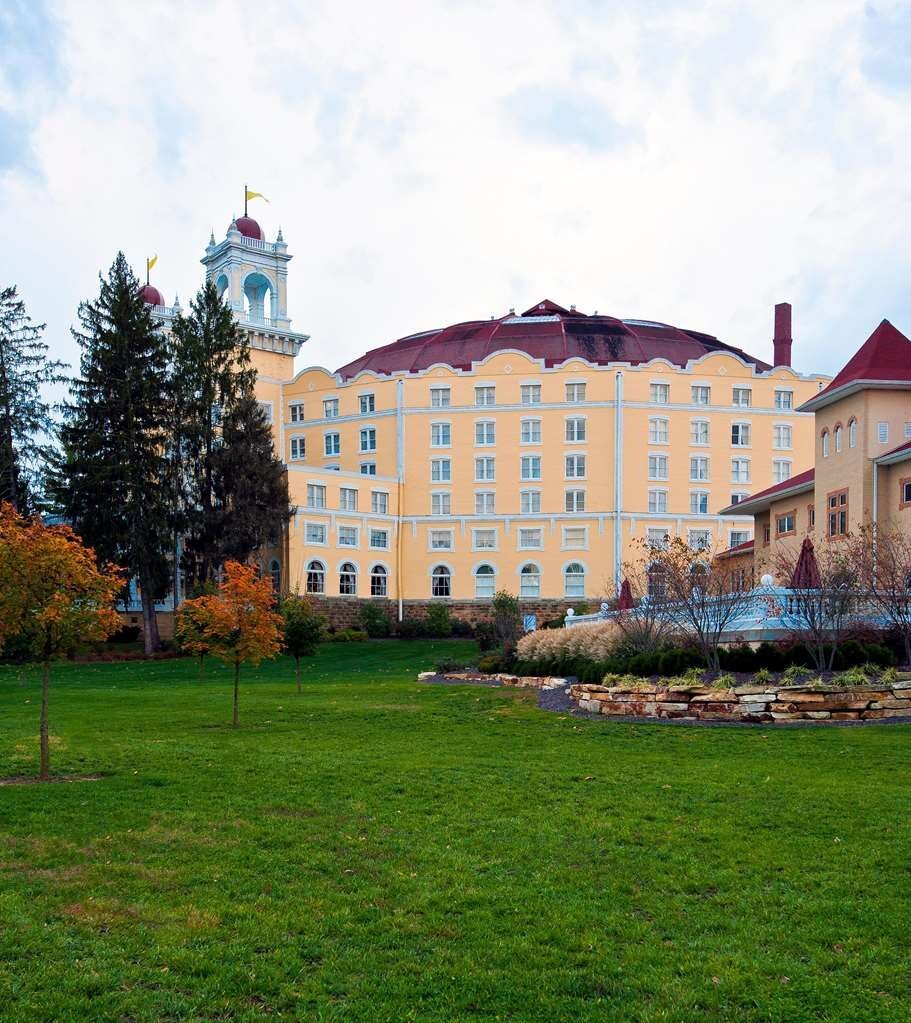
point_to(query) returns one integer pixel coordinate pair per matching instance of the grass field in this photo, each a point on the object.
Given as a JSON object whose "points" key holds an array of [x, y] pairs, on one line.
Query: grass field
{"points": [[376, 849]]}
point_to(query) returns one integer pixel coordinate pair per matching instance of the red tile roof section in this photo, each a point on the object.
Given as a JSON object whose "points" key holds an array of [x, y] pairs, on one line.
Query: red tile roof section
{"points": [[895, 451], [546, 331], [740, 548], [802, 479], [885, 355]]}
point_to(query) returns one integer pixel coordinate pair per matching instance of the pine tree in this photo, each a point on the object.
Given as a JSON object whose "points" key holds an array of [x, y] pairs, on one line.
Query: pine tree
{"points": [[251, 485], [111, 479], [211, 371], [26, 418]]}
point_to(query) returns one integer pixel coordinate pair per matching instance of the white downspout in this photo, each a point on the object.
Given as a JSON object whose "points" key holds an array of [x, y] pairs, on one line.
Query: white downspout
{"points": [[400, 473], [618, 479]]}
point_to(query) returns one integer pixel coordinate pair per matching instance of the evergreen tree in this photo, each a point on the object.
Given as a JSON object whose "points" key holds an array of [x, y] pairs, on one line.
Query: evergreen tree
{"points": [[251, 485], [26, 421], [211, 371], [111, 479]]}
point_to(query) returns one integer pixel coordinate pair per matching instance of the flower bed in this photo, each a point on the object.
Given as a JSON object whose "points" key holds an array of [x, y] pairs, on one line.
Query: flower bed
{"points": [[498, 678]]}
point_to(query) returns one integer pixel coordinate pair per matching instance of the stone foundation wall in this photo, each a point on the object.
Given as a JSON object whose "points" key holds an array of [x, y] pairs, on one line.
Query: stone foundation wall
{"points": [[345, 612], [749, 703]]}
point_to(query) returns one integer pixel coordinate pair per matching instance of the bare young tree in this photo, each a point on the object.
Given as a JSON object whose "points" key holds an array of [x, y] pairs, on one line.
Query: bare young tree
{"points": [[645, 627], [880, 558], [823, 602]]}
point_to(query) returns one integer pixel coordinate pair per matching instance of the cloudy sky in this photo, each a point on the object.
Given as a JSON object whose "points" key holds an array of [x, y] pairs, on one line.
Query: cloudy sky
{"points": [[691, 162]]}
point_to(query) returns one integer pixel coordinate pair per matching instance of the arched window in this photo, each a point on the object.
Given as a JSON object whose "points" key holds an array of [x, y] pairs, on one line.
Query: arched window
{"points": [[530, 581], [837, 439], [275, 571], [485, 581], [258, 298], [378, 581], [441, 582], [825, 443], [657, 581], [347, 580], [574, 580], [316, 577], [852, 434]]}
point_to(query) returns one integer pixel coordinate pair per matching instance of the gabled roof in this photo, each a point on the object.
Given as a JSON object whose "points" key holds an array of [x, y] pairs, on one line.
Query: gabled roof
{"points": [[741, 548], [549, 332], [882, 361], [898, 454], [755, 503]]}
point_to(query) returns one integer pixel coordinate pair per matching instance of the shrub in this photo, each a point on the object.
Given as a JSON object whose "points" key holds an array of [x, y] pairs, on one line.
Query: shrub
{"points": [[492, 663], [444, 666], [507, 621], [853, 677], [762, 677], [850, 654], [795, 674], [557, 647], [462, 629], [349, 636], [486, 634], [374, 621], [889, 677], [125, 634], [581, 608], [411, 628], [723, 681], [675, 662], [739, 658], [439, 624]]}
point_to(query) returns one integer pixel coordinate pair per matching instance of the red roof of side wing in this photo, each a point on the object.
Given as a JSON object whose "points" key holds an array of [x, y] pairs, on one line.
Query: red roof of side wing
{"points": [[884, 358]]}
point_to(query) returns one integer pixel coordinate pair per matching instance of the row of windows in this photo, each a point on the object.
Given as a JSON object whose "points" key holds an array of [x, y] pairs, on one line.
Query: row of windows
{"points": [[316, 534], [574, 467], [530, 394], [659, 432], [348, 498], [485, 502], [837, 436], [659, 468]]}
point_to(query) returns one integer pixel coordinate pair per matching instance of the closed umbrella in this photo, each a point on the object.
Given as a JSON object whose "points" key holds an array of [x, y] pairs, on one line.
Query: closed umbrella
{"points": [[806, 571], [625, 599]]}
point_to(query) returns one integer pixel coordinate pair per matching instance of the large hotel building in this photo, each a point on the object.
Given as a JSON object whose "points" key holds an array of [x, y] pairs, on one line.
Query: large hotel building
{"points": [[525, 452]]}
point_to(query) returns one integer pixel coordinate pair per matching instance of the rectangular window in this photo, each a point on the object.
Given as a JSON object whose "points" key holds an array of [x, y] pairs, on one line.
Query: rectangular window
{"points": [[266, 406], [316, 495], [484, 539], [441, 504], [440, 435], [837, 505], [531, 467], [740, 435], [367, 403], [660, 394], [485, 433], [781, 470], [347, 499], [575, 467], [699, 467], [575, 430], [531, 539], [907, 432], [740, 470], [699, 502], [379, 502], [766, 533], [699, 539], [811, 517], [739, 496], [657, 431], [484, 502], [742, 397], [368, 468], [330, 408], [530, 394], [441, 539], [657, 467], [575, 538], [439, 397], [379, 539], [657, 538], [530, 502], [657, 502], [485, 469], [485, 395], [575, 393], [298, 448], [530, 431], [296, 412], [781, 436], [786, 524], [739, 536], [332, 444], [347, 536], [440, 470], [882, 433], [575, 500], [699, 431], [315, 532], [784, 399], [368, 439], [701, 394]]}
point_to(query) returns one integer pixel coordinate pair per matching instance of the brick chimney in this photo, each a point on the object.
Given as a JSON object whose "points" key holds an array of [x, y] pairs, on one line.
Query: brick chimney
{"points": [[782, 340]]}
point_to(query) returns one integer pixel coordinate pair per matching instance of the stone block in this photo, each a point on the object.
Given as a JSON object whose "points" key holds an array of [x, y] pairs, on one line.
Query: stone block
{"points": [[727, 708], [751, 690], [801, 696], [753, 708], [714, 696], [590, 705], [757, 719], [667, 705], [846, 715], [784, 708], [785, 716], [760, 696], [897, 712], [867, 714], [893, 702], [818, 715]]}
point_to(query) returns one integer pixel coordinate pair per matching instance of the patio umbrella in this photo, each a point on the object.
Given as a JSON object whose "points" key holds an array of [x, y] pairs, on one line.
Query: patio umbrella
{"points": [[625, 598], [806, 571]]}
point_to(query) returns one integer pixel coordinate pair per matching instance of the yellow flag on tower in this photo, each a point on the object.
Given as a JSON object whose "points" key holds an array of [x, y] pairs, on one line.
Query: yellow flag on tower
{"points": [[151, 262], [255, 195]]}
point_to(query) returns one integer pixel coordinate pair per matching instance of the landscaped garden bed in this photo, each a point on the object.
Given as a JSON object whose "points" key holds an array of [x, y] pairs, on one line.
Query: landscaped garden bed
{"points": [[499, 678]]}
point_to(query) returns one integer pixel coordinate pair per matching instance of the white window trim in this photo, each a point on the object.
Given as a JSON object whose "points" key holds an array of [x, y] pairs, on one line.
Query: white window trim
{"points": [[667, 465], [436, 550], [485, 421], [485, 479], [378, 529], [578, 440], [531, 419], [440, 422], [485, 529], [316, 543], [585, 543], [357, 536], [749, 425]]}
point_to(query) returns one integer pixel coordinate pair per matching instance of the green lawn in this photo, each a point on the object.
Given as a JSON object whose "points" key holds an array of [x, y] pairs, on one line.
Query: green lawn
{"points": [[376, 849]]}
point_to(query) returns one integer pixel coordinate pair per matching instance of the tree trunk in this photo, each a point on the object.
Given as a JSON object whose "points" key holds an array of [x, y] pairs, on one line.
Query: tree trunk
{"points": [[45, 771], [150, 637], [297, 671], [236, 720]]}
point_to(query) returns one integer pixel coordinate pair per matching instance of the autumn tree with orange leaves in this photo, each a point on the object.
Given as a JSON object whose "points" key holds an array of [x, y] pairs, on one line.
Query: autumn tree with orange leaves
{"points": [[238, 623], [53, 597]]}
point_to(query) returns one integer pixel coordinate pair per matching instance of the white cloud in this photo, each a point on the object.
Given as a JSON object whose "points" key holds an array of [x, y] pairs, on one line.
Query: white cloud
{"points": [[758, 158]]}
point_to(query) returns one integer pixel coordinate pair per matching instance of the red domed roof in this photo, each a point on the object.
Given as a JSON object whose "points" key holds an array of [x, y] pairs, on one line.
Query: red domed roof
{"points": [[149, 293], [546, 331], [249, 228]]}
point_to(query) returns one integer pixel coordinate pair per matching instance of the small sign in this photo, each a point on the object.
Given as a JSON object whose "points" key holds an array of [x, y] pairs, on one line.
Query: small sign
{"points": [[530, 622]]}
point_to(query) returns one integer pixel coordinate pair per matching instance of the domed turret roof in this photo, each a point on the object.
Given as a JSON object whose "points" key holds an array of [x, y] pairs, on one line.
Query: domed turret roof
{"points": [[249, 228], [545, 331], [150, 294]]}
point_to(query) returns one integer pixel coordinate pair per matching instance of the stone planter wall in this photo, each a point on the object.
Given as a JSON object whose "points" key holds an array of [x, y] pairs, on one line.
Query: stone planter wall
{"points": [[500, 678], [747, 703]]}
